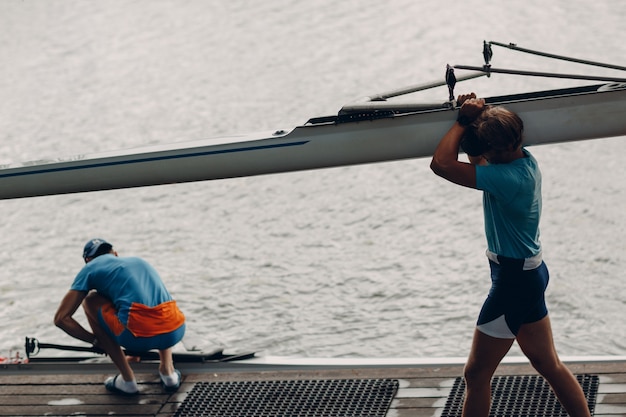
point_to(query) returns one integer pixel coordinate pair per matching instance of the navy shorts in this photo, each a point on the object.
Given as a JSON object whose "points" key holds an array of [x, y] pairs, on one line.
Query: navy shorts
{"points": [[516, 297]]}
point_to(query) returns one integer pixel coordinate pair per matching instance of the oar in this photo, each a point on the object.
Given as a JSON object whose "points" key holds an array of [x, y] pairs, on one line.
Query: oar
{"points": [[33, 346]]}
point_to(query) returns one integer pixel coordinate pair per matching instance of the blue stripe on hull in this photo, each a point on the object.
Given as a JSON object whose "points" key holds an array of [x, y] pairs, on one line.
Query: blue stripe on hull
{"points": [[152, 159]]}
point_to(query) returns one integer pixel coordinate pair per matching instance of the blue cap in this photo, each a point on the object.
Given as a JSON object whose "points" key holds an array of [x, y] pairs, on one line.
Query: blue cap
{"points": [[92, 247]]}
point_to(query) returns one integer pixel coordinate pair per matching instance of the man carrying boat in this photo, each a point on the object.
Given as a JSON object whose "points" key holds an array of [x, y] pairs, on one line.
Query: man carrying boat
{"points": [[515, 308], [126, 304]]}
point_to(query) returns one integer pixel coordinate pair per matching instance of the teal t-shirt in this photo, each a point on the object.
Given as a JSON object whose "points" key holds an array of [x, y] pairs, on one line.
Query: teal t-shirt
{"points": [[512, 206], [124, 281]]}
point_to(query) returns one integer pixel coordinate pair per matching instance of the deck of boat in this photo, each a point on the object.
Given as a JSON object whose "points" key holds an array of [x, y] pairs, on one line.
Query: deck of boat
{"points": [[77, 389]]}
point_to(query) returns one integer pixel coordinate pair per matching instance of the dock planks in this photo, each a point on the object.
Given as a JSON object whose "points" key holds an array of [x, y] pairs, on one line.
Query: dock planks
{"points": [[37, 390]]}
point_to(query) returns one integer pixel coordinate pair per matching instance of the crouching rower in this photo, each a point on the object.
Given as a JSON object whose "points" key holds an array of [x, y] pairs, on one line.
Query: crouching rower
{"points": [[127, 305]]}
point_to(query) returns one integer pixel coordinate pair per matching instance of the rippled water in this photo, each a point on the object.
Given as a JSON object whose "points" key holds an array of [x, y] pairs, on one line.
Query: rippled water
{"points": [[375, 260]]}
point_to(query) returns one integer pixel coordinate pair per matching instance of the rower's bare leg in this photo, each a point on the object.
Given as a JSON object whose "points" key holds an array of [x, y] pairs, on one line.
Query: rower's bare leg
{"points": [[535, 340], [92, 304], [170, 377], [484, 358], [166, 366]]}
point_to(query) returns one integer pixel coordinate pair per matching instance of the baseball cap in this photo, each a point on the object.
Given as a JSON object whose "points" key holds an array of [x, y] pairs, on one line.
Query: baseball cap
{"points": [[92, 247]]}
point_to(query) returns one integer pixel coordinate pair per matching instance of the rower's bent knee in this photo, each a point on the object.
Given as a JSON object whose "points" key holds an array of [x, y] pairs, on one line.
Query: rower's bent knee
{"points": [[546, 366], [475, 374]]}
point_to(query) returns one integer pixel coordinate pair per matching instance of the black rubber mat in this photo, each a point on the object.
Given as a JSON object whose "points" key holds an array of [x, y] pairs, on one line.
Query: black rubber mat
{"points": [[521, 396], [310, 398]]}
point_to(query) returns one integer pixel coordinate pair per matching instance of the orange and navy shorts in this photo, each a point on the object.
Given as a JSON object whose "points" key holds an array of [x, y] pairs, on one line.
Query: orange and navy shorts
{"points": [[148, 328]]}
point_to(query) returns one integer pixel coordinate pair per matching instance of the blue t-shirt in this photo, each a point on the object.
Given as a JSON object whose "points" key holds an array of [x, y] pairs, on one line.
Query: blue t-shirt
{"points": [[124, 281], [512, 206]]}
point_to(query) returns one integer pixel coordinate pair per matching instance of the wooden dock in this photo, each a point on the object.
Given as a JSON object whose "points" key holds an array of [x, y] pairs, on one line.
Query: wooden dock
{"points": [[58, 389]]}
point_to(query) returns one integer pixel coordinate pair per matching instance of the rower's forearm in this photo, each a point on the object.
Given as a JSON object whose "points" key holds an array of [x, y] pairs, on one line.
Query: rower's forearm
{"points": [[447, 152], [74, 329]]}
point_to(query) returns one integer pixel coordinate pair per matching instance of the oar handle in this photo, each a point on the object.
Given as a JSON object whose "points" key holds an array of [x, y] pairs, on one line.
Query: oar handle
{"points": [[33, 346]]}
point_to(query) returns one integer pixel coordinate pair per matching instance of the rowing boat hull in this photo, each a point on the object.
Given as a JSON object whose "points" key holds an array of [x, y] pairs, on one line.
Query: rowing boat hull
{"points": [[549, 117]]}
